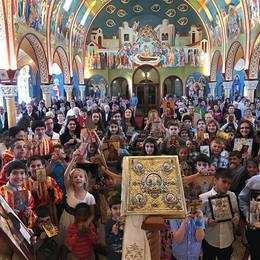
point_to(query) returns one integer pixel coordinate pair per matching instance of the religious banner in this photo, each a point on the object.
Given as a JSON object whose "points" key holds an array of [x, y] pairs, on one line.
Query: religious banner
{"points": [[152, 185]]}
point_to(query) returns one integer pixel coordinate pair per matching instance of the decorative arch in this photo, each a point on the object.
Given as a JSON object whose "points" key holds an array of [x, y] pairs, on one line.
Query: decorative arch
{"points": [[214, 65], [255, 60], [231, 59], [64, 63], [80, 70], [39, 53]]}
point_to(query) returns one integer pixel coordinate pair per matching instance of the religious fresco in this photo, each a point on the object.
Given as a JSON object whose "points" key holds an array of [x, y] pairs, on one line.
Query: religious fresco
{"points": [[24, 84], [32, 14], [254, 12], [234, 22], [97, 87], [83, 20], [62, 16], [196, 85], [126, 36], [239, 76], [219, 89]]}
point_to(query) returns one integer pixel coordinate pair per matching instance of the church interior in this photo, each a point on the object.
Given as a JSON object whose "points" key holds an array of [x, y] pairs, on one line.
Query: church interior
{"points": [[89, 53], [110, 47]]}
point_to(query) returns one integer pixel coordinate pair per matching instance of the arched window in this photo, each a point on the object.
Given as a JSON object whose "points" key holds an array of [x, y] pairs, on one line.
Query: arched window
{"points": [[119, 86], [173, 86]]}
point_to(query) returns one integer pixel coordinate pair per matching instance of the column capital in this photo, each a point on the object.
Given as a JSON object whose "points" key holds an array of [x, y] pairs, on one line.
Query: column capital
{"points": [[8, 90], [82, 87], [226, 84], [68, 88], [46, 89], [212, 84], [251, 84]]}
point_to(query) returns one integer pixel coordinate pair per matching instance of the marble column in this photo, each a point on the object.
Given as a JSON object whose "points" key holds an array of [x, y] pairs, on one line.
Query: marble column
{"points": [[9, 92], [82, 89], [68, 89], [227, 88], [212, 85], [250, 87], [46, 92]]}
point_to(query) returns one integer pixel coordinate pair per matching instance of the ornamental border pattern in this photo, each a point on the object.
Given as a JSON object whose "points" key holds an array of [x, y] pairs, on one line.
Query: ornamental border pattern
{"points": [[65, 64], [214, 64], [80, 70], [230, 59], [40, 54], [254, 63]]}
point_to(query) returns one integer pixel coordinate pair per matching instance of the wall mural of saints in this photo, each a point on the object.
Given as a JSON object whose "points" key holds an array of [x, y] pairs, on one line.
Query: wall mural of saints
{"points": [[234, 21], [254, 12], [33, 13], [146, 45], [196, 86]]}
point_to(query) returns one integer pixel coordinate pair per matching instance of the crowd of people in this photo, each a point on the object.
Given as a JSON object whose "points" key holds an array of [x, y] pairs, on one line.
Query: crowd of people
{"points": [[61, 170]]}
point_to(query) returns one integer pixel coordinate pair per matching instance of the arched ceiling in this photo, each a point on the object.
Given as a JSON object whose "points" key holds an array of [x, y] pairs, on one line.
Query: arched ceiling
{"points": [[150, 12], [68, 23], [69, 17]]}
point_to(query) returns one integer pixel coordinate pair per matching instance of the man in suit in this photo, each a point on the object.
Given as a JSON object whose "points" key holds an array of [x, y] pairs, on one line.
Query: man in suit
{"points": [[32, 114], [106, 115], [3, 120]]}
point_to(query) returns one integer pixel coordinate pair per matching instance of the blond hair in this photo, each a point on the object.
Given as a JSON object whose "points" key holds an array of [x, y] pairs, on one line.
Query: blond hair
{"points": [[85, 186]]}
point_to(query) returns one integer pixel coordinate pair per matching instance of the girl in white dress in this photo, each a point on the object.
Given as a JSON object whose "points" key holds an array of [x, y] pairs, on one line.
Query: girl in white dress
{"points": [[76, 184]]}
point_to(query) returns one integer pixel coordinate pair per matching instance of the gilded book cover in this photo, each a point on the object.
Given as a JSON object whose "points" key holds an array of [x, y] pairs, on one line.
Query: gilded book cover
{"points": [[152, 185]]}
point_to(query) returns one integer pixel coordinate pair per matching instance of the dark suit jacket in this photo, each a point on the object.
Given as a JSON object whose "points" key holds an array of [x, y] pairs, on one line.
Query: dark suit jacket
{"points": [[34, 116], [104, 121]]}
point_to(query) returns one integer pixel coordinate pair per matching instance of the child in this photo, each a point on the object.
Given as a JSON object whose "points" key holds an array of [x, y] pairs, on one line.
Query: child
{"points": [[187, 235], [217, 155], [237, 172], [45, 192], [114, 233], [76, 184], [57, 166], [81, 236], [185, 164], [219, 235], [16, 172], [199, 182], [251, 168], [171, 142], [46, 247], [252, 234]]}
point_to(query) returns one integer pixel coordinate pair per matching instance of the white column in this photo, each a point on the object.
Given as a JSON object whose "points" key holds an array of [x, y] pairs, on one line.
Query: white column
{"points": [[250, 87], [82, 89], [9, 92], [46, 92], [227, 88], [1, 97], [68, 89], [212, 85]]}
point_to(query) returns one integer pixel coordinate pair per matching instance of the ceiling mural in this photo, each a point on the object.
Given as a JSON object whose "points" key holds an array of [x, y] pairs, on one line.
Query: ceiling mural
{"points": [[62, 21], [139, 27], [153, 12], [127, 34]]}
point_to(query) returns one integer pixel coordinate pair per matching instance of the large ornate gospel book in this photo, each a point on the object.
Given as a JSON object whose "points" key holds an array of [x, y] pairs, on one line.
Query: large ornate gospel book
{"points": [[152, 185], [151, 190]]}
